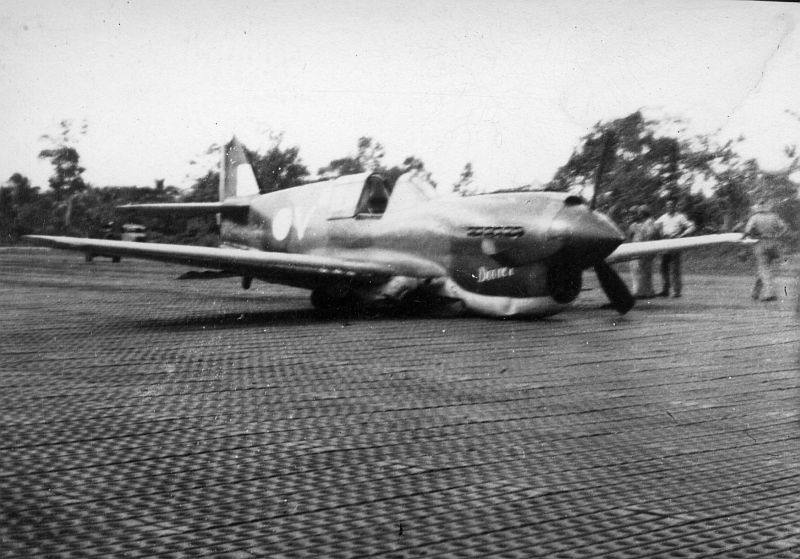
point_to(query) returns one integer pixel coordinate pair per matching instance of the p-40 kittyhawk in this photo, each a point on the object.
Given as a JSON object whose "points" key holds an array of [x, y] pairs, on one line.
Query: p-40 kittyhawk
{"points": [[354, 240]]}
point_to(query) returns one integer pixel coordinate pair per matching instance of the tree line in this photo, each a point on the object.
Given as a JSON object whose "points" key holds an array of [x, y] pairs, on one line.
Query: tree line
{"points": [[634, 161], [628, 162]]}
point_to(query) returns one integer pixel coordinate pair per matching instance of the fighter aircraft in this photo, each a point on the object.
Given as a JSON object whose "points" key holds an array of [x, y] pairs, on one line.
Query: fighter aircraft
{"points": [[354, 240]]}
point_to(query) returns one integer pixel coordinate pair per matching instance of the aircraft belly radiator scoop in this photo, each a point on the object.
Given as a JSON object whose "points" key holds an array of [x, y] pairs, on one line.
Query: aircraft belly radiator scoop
{"points": [[586, 238]]}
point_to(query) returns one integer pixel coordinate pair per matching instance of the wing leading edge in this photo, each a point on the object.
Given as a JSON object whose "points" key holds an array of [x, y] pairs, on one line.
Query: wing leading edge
{"points": [[631, 251], [292, 269]]}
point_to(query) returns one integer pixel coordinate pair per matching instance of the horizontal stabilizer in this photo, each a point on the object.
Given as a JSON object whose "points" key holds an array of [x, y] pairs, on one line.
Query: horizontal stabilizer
{"points": [[229, 208]]}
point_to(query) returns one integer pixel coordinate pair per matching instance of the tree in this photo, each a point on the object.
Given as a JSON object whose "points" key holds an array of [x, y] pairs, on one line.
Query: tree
{"points": [[23, 210], [731, 197], [8, 214], [782, 193], [15, 198], [368, 157], [636, 161], [199, 229], [461, 186], [278, 168], [21, 189], [66, 179], [204, 189], [410, 163], [627, 162]]}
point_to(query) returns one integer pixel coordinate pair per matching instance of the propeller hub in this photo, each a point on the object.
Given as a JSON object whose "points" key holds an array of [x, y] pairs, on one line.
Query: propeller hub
{"points": [[587, 237]]}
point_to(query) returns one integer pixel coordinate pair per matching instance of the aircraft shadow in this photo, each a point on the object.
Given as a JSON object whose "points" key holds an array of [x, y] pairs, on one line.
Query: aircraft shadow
{"points": [[287, 317], [308, 316]]}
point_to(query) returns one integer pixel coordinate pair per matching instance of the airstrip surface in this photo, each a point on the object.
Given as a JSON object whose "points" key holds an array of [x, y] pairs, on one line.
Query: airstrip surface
{"points": [[142, 416]]}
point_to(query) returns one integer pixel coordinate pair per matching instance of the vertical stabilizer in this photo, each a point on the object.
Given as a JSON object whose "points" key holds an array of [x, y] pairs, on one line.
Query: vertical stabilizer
{"points": [[236, 178]]}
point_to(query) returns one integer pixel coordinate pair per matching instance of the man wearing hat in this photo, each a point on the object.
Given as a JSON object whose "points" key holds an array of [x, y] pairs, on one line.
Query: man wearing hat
{"points": [[766, 227]]}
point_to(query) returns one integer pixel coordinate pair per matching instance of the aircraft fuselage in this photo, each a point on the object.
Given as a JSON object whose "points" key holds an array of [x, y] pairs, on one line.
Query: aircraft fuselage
{"points": [[496, 250]]}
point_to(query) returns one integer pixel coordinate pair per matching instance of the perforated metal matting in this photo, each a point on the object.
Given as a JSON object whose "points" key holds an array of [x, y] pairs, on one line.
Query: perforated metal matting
{"points": [[145, 417]]}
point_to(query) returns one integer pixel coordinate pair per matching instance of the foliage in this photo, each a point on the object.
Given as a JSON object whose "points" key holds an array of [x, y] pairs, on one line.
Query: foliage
{"points": [[628, 164], [21, 190], [204, 189], [633, 161], [190, 229], [731, 196], [278, 168], [22, 210], [410, 163], [66, 178], [461, 186], [369, 157]]}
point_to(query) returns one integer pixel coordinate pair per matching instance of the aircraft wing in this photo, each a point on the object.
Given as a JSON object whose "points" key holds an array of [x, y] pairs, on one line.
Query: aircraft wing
{"points": [[301, 270], [633, 250]]}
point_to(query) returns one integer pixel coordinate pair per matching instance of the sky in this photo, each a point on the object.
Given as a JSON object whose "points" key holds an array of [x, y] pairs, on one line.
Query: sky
{"points": [[509, 86]]}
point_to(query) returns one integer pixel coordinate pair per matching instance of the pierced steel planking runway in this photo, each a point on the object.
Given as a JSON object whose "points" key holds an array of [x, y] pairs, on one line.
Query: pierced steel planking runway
{"points": [[146, 417]]}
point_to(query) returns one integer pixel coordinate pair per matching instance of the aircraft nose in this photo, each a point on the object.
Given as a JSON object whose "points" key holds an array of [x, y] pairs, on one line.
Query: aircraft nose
{"points": [[587, 236]]}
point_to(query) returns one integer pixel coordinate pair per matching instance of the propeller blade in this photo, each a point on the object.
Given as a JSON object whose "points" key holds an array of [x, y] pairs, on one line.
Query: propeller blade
{"points": [[609, 141], [615, 289]]}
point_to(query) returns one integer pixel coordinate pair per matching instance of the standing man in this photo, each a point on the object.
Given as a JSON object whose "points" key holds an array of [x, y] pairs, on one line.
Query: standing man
{"points": [[765, 226], [643, 229], [672, 225]]}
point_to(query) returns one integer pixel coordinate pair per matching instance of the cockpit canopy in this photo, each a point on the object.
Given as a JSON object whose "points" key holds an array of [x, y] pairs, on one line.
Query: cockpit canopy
{"points": [[363, 195], [368, 195], [375, 196]]}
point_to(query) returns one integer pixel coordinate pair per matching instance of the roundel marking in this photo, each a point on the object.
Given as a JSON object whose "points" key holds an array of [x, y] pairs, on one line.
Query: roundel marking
{"points": [[282, 224]]}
